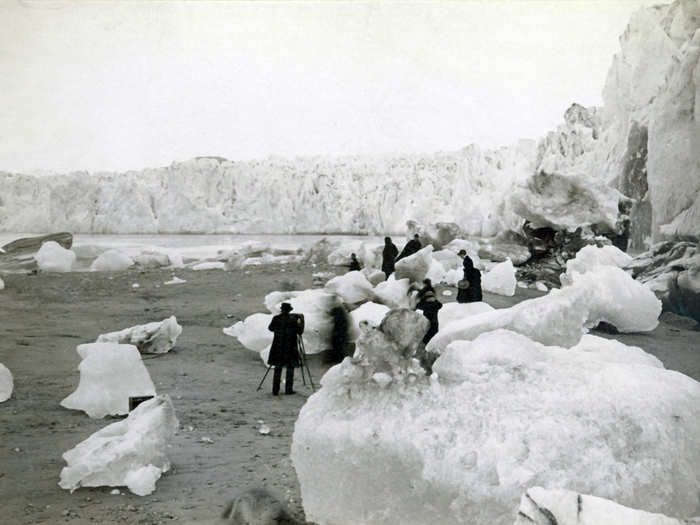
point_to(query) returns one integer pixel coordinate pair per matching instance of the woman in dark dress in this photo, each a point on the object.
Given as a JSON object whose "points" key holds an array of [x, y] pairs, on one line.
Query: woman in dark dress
{"points": [[429, 305], [469, 288], [389, 254]]}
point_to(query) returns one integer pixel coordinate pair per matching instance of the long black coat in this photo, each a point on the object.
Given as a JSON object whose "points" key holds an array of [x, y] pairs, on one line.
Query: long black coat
{"points": [[389, 254], [411, 247], [430, 309], [284, 350], [473, 293]]}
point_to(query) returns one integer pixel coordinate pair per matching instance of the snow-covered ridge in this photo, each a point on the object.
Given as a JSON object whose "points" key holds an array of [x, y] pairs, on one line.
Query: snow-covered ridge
{"points": [[642, 143]]}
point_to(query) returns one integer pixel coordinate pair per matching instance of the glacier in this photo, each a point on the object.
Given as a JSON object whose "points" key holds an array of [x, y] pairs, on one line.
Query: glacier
{"points": [[628, 167]]}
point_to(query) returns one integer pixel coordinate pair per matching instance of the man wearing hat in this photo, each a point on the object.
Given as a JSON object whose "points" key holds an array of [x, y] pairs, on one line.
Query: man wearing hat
{"points": [[284, 351]]}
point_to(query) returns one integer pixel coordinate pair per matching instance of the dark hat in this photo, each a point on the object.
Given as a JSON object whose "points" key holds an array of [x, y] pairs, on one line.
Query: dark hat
{"points": [[462, 252], [286, 307]]}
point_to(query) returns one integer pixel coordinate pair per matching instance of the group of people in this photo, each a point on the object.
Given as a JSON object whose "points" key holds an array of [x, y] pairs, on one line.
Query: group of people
{"points": [[288, 327]]}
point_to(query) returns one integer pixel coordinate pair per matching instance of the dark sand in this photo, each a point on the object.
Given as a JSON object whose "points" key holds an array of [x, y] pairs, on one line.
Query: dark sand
{"points": [[210, 377]]}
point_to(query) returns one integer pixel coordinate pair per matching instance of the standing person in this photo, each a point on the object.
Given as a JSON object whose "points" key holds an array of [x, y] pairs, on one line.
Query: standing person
{"points": [[429, 304], [411, 247], [389, 256], [469, 288], [284, 351], [354, 265]]}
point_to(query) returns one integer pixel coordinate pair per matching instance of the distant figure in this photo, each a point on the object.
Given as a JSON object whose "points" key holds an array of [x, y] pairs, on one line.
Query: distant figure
{"points": [[354, 264], [389, 256], [427, 287], [340, 340], [256, 507], [462, 254], [469, 288], [411, 247], [284, 351], [429, 304]]}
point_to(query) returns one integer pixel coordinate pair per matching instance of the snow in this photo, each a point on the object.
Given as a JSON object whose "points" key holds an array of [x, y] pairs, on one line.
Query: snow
{"points": [[500, 279], [415, 267], [252, 332], [175, 280], [500, 414], [562, 316], [540, 506], [110, 373], [129, 453], [392, 292], [352, 287], [591, 256], [111, 261], [6, 383], [210, 265], [52, 257], [157, 337]]}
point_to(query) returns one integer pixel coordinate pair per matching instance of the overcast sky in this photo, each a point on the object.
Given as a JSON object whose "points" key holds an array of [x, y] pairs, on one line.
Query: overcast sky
{"points": [[117, 86]]}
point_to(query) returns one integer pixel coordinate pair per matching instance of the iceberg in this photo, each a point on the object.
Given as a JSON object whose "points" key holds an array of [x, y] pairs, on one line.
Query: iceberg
{"points": [[157, 337], [561, 317], [352, 287], [252, 332], [499, 415], [500, 279], [371, 313], [111, 261], [6, 383], [392, 292], [2, 284], [591, 256], [415, 267], [540, 506], [52, 257], [129, 453], [451, 312], [110, 374]]}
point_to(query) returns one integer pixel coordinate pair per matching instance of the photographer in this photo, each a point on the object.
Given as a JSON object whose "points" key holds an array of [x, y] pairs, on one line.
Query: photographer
{"points": [[284, 351]]}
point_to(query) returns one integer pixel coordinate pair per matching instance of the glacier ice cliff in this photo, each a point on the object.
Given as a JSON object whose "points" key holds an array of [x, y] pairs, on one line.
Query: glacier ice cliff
{"points": [[629, 166]]}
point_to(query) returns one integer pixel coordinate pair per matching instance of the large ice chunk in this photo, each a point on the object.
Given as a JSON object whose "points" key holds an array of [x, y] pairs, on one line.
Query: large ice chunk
{"points": [[352, 287], [415, 267], [451, 312], [6, 383], [540, 506], [252, 332], [111, 261], [52, 257], [372, 313], [2, 284], [110, 374], [500, 279], [562, 316], [392, 292], [157, 337], [499, 415], [591, 256], [128, 453], [210, 265]]}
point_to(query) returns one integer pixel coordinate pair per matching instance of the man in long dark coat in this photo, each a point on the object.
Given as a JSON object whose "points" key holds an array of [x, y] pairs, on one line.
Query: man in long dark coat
{"points": [[411, 247], [284, 351], [389, 254], [469, 288]]}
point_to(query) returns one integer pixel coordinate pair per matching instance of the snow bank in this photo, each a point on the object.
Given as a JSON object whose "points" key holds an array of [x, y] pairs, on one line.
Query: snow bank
{"points": [[415, 267], [111, 261], [129, 453], [503, 414], [540, 506], [6, 383], [562, 316], [352, 287], [52, 257], [252, 332], [157, 337], [110, 374], [500, 279]]}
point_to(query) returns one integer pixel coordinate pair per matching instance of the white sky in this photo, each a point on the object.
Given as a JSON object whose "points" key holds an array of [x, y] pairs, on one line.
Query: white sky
{"points": [[116, 86]]}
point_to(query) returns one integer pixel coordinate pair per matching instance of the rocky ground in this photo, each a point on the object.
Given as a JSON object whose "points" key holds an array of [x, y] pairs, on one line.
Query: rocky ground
{"points": [[211, 378]]}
